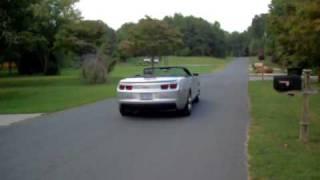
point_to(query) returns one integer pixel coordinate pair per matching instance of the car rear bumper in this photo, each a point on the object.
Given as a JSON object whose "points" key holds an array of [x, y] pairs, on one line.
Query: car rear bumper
{"points": [[151, 98], [157, 99], [150, 107], [147, 102]]}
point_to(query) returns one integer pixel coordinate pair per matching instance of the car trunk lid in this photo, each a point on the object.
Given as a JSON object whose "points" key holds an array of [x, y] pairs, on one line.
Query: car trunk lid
{"points": [[149, 83]]}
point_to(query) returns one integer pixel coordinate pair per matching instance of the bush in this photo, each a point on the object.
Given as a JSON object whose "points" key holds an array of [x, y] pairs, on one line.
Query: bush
{"points": [[96, 68]]}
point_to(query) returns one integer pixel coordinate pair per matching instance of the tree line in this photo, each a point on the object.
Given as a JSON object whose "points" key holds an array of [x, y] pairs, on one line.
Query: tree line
{"points": [[289, 33], [41, 36]]}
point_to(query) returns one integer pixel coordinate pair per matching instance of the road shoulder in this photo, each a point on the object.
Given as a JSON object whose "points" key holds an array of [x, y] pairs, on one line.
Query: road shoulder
{"points": [[9, 119]]}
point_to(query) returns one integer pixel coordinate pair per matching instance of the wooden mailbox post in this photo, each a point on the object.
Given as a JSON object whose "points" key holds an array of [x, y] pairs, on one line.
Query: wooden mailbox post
{"points": [[290, 84], [305, 120]]}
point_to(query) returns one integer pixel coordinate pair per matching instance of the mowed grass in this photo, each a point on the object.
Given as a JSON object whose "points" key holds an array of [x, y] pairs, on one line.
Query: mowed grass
{"points": [[201, 65], [274, 149], [36, 94], [206, 65]]}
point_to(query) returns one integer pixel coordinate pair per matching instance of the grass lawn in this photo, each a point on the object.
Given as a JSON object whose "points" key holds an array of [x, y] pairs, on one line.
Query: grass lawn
{"points": [[49, 94], [274, 149], [200, 65]]}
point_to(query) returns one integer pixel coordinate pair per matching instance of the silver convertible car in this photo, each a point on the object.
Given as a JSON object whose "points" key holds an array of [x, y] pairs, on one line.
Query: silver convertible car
{"points": [[160, 88]]}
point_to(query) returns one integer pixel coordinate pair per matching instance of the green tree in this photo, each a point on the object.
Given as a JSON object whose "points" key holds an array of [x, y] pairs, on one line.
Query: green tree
{"points": [[258, 34], [84, 37], [49, 17], [28, 32], [124, 31], [295, 26], [14, 20], [124, 50], [199, 36], [151, 37], [238, 44]]}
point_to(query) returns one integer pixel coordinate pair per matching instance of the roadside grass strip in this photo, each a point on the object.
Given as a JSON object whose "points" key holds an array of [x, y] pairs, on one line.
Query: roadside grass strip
{"points": [[274, 149]]}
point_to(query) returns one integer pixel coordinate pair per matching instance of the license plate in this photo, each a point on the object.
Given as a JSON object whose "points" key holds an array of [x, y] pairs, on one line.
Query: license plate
{"points": [[146, 96]]}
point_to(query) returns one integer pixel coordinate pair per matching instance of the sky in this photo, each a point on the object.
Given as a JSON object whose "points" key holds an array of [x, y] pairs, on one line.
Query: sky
{"points": [[233, 15]]}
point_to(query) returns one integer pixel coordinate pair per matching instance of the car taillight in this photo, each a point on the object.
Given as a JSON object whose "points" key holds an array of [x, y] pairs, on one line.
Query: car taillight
{"points": [[165, 86], [129, 88], [121, 87], [173, 86]]}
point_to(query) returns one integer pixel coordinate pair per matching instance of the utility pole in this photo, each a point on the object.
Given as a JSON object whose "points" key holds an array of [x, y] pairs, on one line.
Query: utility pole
{"points": [[305, 120]]}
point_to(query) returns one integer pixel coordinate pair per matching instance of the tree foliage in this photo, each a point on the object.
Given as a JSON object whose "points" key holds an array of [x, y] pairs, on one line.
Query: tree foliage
{"points": [[258, 34], [40, 34], [200, 38], [238, 44], [295, 28], [28, 30], [151, 37], [84, 37]]}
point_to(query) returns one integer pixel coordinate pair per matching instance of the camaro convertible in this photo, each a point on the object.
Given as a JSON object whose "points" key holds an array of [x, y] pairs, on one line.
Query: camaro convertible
{"points": [[159, 88]]}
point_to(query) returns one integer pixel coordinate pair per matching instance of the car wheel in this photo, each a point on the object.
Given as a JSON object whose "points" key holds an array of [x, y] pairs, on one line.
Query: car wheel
{"points": [[187, 110], [197, 99], [124, 111]]}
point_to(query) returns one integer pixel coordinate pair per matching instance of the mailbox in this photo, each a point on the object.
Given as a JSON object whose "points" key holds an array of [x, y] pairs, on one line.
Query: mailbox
{"points": [[287, 83]]}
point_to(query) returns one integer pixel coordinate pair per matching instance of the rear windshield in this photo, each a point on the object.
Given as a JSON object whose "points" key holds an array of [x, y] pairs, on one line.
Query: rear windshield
{"points": [[166, 72]]}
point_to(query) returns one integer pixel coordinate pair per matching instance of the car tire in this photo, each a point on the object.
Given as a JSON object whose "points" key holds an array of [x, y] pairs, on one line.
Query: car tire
{"points": [[197, 99], [124, 111], [187, 110]]}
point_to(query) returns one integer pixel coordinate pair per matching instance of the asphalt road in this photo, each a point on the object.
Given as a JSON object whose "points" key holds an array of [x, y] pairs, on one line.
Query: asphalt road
{"points": [[95, 142]]}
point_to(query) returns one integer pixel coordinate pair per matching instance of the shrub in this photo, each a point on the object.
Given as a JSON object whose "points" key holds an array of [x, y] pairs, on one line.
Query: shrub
{"points": [[96, 68]]}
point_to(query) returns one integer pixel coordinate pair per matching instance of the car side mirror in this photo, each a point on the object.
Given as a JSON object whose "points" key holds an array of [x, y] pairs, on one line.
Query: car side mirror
{"points": [[195, 74]]}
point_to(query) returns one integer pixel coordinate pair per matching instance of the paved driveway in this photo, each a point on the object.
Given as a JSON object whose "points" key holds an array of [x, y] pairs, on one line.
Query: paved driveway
{"points": [[95, 142]]}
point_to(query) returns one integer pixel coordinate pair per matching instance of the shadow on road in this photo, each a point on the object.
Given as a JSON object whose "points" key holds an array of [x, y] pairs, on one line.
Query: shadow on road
{"points": [[155, 115], [199, 109]]}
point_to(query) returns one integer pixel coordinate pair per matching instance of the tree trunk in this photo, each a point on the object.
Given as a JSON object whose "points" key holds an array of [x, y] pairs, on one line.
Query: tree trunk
{"points": [[10, 67], [152, 64], [45, 65], [319, 74]]}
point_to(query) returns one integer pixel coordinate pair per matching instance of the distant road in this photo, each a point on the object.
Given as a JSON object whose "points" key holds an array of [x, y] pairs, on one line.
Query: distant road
{"points": [[95, 142]]}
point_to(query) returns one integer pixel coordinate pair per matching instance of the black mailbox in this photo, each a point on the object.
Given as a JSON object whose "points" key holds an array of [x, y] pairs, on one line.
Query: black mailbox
{"points": [[287, 83]]}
